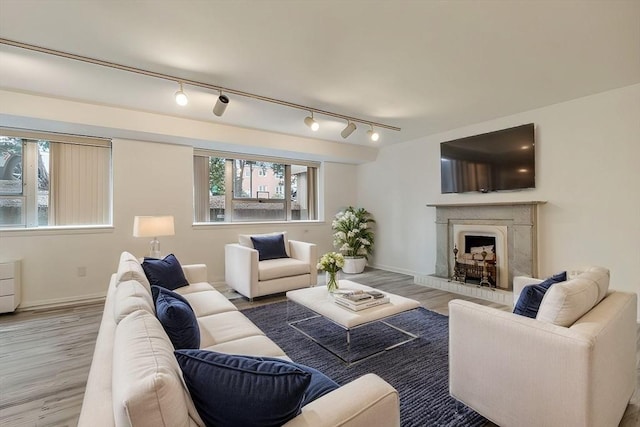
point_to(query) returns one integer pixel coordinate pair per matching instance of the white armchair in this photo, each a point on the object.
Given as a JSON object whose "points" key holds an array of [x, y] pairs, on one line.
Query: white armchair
{"points": [[519, 371], [253, 278]]}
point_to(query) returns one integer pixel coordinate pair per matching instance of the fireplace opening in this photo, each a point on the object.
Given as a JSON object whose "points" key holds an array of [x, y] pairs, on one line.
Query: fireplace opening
{"points": [[479, 241], [477, 263]]}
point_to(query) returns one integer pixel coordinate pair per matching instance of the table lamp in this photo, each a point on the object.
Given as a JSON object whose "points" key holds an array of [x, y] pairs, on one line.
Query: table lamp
{"points": [[153, 226]]}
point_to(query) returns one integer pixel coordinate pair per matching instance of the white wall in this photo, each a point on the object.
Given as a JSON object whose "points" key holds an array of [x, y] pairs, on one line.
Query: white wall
{"points": [[149, 178], [588, 171]]}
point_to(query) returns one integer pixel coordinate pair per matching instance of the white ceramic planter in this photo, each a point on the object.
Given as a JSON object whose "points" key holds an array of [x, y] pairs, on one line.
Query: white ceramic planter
{"points": [[354, 265]]}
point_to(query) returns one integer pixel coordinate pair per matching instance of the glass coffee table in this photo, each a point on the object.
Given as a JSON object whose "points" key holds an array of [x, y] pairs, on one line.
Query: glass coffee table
{"points": [[350, 335]]}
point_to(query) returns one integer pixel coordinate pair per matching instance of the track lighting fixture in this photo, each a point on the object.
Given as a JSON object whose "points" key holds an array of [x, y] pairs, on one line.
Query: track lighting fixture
{"points": [[348, 130], [309, 121], [222, 101], [373, 135], [221, 105], [181, 97]]}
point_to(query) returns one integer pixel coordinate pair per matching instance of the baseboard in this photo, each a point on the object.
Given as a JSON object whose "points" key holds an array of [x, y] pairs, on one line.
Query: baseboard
{"points": [[61, 302], [499, 296], [393, 269]]}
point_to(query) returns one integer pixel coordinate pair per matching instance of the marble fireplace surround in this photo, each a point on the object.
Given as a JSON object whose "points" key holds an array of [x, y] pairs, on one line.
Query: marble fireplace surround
{"points": [[520, 220]]}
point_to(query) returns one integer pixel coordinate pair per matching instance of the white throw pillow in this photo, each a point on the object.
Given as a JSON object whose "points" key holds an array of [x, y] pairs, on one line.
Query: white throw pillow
{"points": [[245, 239], [600, 277], [566, 302]]}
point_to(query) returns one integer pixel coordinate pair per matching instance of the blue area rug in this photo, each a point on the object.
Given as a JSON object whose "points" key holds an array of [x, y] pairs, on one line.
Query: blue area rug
{"points": [[419, 370]]}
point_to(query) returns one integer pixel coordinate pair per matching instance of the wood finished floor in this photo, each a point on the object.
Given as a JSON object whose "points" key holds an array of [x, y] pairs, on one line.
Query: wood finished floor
{"points": [[45, 355]]}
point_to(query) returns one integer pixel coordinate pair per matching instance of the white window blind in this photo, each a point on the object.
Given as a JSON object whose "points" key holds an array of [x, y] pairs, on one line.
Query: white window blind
{"points": [[80, 184], [201, 188]]}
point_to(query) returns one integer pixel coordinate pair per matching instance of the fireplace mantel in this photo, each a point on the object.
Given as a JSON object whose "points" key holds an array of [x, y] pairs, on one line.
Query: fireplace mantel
{"points": [[480, 204]]}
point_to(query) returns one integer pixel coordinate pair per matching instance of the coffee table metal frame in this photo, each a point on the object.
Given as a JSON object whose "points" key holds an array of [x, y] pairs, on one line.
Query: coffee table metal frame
{"points": [[348, 330]]}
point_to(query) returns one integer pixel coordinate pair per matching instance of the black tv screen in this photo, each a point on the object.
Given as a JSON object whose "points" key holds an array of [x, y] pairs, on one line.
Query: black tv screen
{"points": [[494, 161]]}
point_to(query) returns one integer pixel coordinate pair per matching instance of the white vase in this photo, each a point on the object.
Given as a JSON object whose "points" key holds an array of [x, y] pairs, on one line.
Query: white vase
{"points": [[354, 265]]}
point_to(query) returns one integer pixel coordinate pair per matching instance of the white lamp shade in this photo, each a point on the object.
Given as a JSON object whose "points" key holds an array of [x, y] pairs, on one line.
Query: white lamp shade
{"points": [[153, 226]]}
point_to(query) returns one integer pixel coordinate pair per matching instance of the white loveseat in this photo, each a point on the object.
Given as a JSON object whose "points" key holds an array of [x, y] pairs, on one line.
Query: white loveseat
{"points": [[135, 379], [253, 278], [519, 371]]}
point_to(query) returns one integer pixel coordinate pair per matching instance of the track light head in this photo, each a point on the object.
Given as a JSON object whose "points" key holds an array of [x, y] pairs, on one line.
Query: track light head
{"points": [[309, 121], [348, 130], [373, 135], [181, 97], [221, 105]]}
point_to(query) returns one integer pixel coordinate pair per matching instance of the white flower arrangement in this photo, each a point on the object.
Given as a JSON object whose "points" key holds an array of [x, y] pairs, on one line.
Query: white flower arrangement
{"points": [[331, 262], [352, 232]]}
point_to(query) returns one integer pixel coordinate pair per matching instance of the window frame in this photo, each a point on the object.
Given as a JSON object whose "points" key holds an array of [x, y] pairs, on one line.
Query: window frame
{"points": [[230, 199], [30, 151]]}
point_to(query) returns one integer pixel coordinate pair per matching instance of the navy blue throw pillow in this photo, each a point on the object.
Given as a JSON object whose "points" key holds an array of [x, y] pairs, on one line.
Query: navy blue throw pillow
{"points": [[165, 272], [177, 318], [531, 296], [230, 390], [269, 247], [320, 383]]}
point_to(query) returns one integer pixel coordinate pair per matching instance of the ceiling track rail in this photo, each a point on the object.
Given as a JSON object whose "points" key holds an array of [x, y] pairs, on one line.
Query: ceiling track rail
{"points": [[195, 83]]}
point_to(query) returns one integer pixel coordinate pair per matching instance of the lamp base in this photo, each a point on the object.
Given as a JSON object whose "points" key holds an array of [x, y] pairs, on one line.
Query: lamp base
{"points": [[154, 249]]}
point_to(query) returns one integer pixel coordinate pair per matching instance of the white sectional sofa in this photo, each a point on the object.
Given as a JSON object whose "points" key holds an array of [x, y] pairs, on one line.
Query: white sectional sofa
{"points": [[574, 365], [135, 379]]}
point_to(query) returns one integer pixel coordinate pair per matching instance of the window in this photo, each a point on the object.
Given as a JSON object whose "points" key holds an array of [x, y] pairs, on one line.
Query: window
{"points": [[225, 192], [53, 180]]}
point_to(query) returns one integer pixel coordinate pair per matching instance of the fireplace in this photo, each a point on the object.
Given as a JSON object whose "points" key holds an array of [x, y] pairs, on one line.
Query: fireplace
{"points": [[513, 227]]}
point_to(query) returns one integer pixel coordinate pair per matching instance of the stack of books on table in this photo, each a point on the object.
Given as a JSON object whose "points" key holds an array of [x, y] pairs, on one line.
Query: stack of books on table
{"points": [[360, 300]]}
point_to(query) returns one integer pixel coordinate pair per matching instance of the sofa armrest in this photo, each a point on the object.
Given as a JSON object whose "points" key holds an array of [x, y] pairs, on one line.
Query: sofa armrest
{"points": [[367, 401], [303, 251], [306, 252], [516, 370], [195, 273], [241, 268]]}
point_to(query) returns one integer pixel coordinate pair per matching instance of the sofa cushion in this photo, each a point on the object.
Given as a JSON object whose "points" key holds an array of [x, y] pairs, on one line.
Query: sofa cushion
{"points": [[165, 272], [226, 326], [130, 296], [177, 318], [206, 302], [130, 269], [269, 247], [282, 267], [242, 391], [531, 295], [245, 239], [255, 345], [566, 302], [147, 383]]}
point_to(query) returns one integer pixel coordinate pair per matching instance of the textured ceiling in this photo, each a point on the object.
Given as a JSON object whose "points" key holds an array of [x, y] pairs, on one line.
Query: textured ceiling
{"points": [[424, 66]]}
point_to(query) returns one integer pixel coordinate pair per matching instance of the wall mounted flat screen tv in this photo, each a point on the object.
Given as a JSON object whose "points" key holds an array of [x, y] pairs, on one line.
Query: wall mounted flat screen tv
{"points": [[494, 161]]}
